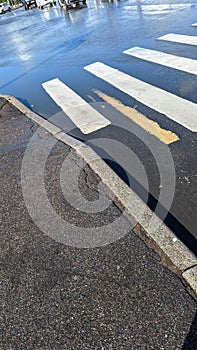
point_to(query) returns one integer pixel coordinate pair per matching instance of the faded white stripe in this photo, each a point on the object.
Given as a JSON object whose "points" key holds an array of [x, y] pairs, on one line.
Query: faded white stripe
{"points": [[176, 108], [184, 64], [86, 118], [165, 8], [181, 39]]}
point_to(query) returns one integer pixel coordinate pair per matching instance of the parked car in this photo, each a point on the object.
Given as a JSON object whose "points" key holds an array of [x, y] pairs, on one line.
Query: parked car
{"points": [[43, 3], [29, 3], [70, 3], [4, 7]]}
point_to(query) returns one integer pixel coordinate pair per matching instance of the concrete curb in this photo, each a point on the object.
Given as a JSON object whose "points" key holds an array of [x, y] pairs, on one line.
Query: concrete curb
{"points": [[174, 254]]}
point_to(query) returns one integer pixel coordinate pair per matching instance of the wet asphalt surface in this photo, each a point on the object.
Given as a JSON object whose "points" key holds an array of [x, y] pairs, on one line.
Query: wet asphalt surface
{"points": [[56, 296], [42, 45]]}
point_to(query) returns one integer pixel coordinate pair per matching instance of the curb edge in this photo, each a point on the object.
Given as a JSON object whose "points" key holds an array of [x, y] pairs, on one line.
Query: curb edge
{"points": [[173, 253]]}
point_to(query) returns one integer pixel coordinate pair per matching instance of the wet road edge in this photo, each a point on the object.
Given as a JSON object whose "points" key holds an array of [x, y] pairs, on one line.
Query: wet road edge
{"points": [[174, 254]]}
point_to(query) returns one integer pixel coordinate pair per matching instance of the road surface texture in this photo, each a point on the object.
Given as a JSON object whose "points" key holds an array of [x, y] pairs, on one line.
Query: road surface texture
{"points": [[55, 296], [152, 134]]}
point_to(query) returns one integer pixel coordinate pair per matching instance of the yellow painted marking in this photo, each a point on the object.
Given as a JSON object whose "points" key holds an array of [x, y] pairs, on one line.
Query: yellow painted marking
{"points": [[166, 136]]}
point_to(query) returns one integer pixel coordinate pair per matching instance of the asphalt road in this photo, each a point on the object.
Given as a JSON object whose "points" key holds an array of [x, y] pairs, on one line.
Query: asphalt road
{"points": [[37, 46], [57, 296]]}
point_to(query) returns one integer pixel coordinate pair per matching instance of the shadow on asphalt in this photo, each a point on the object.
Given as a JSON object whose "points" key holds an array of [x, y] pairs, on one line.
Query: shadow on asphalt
{"points": [[177, 228], [170, 220], [191, 339]]}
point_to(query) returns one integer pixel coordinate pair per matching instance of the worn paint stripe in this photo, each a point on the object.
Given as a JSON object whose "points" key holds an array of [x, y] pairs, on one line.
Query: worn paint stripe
{"points": [[165, 8], [176, 108], [85, 117], [164, 59], [166, 136], [181, 39]]}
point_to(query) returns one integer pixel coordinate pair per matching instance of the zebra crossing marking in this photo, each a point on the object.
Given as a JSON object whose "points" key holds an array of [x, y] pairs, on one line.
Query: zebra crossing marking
{"points": [[172, 61], [85, 117], [174, 107], [181, 39]]}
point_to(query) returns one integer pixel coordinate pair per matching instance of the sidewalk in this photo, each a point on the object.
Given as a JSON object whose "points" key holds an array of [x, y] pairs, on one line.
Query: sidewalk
{"points": [[55, 296]]}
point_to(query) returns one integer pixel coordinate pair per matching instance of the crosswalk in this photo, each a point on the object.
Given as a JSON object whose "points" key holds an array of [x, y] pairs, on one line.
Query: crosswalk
{"points": [[181, 63], [169, 105], [160, 100], [80, 112], [181, 39], [155, 9], [163, 8]]}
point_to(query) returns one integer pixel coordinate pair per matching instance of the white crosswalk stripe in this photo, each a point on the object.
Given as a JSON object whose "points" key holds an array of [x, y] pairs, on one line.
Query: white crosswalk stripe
{"points": [[194, 25], [176, 108], [181, 39], [163, 8], [86, 118], [180, 63]]}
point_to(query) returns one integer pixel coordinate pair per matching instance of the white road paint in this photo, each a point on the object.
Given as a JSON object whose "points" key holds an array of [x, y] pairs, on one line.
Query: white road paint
{"points": [[86, 118], [194, 25], [156, 8], [181, 39], [180, 63], [164, 8], [176, 108]]}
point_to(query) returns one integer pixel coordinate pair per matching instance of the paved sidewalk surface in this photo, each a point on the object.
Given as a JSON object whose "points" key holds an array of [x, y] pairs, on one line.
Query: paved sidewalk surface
{"points": [[117, 297]]}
